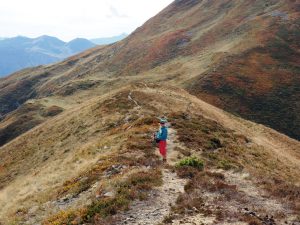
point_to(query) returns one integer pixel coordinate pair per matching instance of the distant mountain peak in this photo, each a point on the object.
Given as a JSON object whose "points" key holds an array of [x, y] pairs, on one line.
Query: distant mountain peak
{"points": [[47, 37], [79, 40], [79, 44]]}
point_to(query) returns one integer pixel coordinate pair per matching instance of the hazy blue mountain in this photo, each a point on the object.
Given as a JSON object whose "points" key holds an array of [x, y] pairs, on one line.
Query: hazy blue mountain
{"points": [[22, 52], [108, 40], [79, 44]]}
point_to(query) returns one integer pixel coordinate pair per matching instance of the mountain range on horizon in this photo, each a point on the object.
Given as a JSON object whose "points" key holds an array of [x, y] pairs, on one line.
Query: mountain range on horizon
{"points": [[228, 73], [76, 136], [21, 52]]}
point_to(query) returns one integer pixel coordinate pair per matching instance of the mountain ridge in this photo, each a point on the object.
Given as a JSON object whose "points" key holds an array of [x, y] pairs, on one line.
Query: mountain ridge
{"points": [[103, 143], [76, 137], [20, 52], [78, 134], [158, 53]]}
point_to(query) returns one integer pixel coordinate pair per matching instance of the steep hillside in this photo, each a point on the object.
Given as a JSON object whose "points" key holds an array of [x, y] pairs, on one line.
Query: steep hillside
{"points": [[76, 136], [24, 118], [261, 83], [22, 52], [242, 56], [95, 164]]}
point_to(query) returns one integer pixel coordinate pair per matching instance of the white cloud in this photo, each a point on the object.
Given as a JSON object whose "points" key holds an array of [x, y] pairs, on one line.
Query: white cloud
{"points": [[115, 13], [68, 19]]}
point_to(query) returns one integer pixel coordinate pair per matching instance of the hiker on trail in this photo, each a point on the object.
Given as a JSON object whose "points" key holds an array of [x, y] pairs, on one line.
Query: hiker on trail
{"points": [[161, 137]]}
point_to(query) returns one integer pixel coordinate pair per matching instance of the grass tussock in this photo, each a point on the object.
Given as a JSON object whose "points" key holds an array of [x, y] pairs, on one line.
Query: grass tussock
{"points": [[134, 187], [85, 180]]}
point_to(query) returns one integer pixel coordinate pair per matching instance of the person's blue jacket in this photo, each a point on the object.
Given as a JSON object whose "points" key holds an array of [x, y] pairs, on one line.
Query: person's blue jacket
{"points": [[162, 134]]}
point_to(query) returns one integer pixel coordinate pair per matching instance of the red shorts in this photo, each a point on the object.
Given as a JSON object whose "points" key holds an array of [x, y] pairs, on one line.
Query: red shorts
{"points": [[163, 148]]}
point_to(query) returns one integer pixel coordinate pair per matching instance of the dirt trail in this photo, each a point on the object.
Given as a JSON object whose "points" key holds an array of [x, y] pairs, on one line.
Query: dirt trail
{"points": [[198, 219], [173, 143], [287, 149], [281, 146], [157, 207], [154, 210]]}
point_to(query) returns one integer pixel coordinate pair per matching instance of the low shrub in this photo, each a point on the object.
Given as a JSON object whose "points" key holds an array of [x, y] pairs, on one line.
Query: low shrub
{"points": [[187, 172], [63, 217], [134, 187], [225, 164], [191, 162]]}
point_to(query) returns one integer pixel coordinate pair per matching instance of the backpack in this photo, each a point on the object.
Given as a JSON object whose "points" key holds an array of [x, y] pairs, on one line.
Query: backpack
{"points": [[155, 139]]}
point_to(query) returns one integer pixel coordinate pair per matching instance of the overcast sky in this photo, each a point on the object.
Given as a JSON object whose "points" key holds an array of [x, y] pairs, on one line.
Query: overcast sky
{"points": [[68, 19]]}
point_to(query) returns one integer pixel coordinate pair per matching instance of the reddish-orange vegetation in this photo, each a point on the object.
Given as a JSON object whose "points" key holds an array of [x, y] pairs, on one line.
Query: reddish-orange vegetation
{"points": [[258, 59], [166, 47], [242, 56]]}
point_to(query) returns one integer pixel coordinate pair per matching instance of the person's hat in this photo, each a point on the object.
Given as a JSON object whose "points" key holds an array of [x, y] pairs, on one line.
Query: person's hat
{"points": [[163, 121]]}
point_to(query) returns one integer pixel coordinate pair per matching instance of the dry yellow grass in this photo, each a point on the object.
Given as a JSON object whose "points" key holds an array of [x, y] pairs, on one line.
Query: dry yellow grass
{"points": [[37, 165], [110, 95]]}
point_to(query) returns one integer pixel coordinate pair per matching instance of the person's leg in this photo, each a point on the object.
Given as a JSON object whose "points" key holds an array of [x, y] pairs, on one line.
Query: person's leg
{"points": [[160, 148], [163, 149]]}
